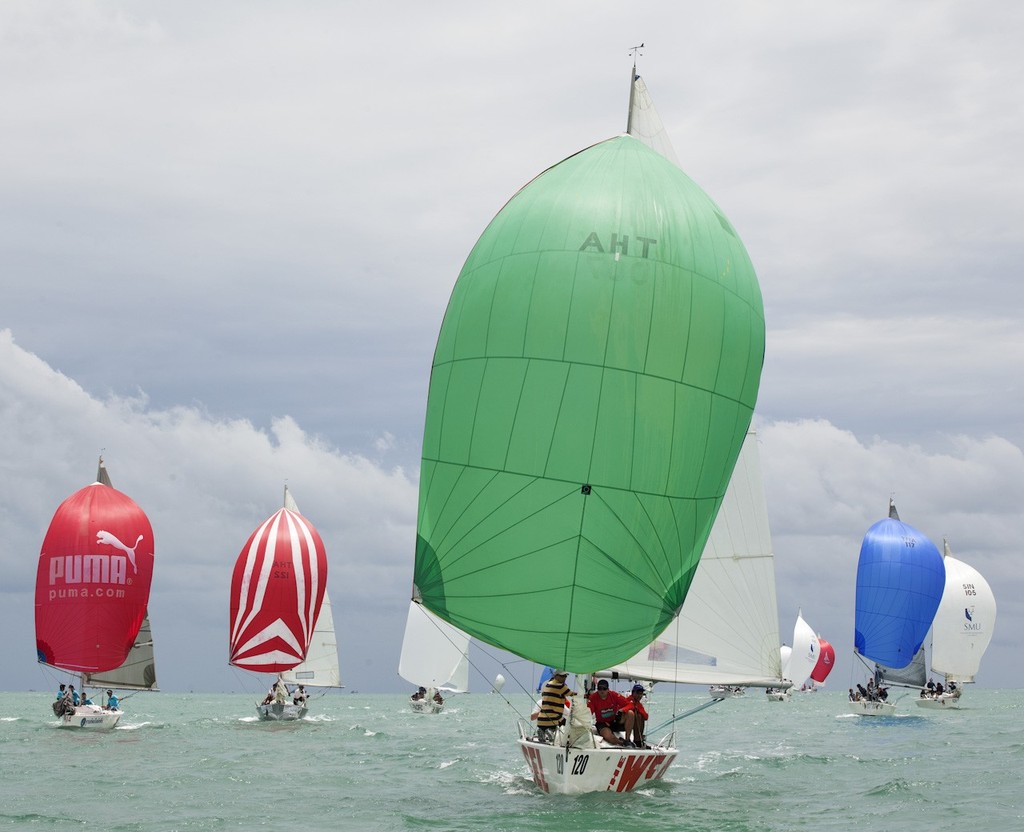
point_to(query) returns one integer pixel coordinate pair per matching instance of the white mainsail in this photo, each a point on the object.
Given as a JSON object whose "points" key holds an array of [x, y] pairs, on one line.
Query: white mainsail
{"points": [[964, 622], [645, 124], [434, 653], [727, 632]]}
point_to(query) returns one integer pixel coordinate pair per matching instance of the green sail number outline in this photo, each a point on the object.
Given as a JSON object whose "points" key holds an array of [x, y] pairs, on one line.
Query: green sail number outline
{"points": [[594, 377]]}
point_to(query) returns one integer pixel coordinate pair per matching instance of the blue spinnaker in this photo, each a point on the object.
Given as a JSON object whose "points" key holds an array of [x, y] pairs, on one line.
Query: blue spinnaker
{"points": [[900, 578]]}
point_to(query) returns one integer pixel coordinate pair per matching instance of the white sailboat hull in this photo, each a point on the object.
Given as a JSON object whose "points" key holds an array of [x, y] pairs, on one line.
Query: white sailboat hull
{"points": [[423, 706], [943, 702], [560, 770], [778, 695], [867, 707], [90, 718], [278, 712]]}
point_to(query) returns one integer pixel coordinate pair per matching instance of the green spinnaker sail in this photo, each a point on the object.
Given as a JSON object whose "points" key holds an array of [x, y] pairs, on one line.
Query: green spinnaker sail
{"points": [[594, 379]]}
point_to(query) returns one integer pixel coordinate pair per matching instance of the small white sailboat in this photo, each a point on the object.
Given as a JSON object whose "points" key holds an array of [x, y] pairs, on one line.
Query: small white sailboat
{"points": [[798, 661], [278, 589], [92, 591], [961, 631], [435, 656]]}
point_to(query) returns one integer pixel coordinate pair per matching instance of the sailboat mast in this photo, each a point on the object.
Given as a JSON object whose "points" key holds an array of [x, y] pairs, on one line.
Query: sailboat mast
{"points": [[632, 87]]}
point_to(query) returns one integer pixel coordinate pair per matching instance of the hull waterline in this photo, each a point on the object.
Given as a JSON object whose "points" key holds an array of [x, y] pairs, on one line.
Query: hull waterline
{"points": [[90, 718], [868, 708], [561, 770], [276, 712], [943, 702]]}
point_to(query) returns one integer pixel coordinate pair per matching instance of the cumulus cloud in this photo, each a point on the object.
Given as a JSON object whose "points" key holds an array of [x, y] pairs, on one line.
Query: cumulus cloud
{"points": [[205, 485]]}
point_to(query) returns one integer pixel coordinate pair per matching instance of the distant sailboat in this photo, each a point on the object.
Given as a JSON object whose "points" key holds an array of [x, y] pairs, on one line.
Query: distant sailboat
{"points": [[900, 578], [797, 661], [593, 382], [434, 657], [277, 594], [826, 661], [961, 631], [92, 591]]}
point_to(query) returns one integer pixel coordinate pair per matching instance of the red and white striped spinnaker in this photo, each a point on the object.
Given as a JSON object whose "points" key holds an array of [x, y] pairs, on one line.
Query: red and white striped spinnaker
{"points": [[276, 591]]}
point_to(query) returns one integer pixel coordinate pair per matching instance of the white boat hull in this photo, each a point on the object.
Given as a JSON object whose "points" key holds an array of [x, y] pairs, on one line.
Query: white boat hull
{"points": [[778, 695], [424, 706], [720, 692], [560, 770], [90, 718], [943, 702], [867, 707], [281, 712]]}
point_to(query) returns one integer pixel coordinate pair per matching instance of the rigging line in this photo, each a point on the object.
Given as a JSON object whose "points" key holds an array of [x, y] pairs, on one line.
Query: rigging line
{"points": [[685, 714], [505, 666]]}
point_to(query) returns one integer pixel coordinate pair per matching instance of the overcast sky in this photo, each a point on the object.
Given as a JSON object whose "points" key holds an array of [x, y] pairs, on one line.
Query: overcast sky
{"points": [[228, 233]]}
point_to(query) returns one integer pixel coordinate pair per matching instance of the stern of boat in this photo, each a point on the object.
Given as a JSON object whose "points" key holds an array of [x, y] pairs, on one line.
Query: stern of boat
{"points": [[426, 706], [277, 712], [563, 769]]}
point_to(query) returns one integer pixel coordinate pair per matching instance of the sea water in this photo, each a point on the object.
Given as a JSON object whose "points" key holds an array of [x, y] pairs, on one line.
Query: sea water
{"points": [[367, 762]]}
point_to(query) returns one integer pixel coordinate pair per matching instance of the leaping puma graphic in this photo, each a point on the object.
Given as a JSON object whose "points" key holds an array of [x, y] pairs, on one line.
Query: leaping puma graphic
{"points": [[111, 540]]}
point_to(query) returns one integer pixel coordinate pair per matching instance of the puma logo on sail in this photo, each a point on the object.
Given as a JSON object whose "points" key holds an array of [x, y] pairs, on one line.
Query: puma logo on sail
{"points": [[111, 540]]}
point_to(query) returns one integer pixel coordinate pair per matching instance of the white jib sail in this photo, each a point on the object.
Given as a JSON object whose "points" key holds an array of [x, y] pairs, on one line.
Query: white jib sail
{"points": [[434, 653]]}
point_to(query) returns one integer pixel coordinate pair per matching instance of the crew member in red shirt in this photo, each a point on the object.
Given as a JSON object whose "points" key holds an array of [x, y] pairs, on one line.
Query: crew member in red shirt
{"points": [[606, 706], [634, 716]]}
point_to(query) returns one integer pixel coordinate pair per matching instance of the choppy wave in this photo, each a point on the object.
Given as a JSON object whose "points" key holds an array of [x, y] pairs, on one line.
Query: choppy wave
{"points": [[367, 762]]}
